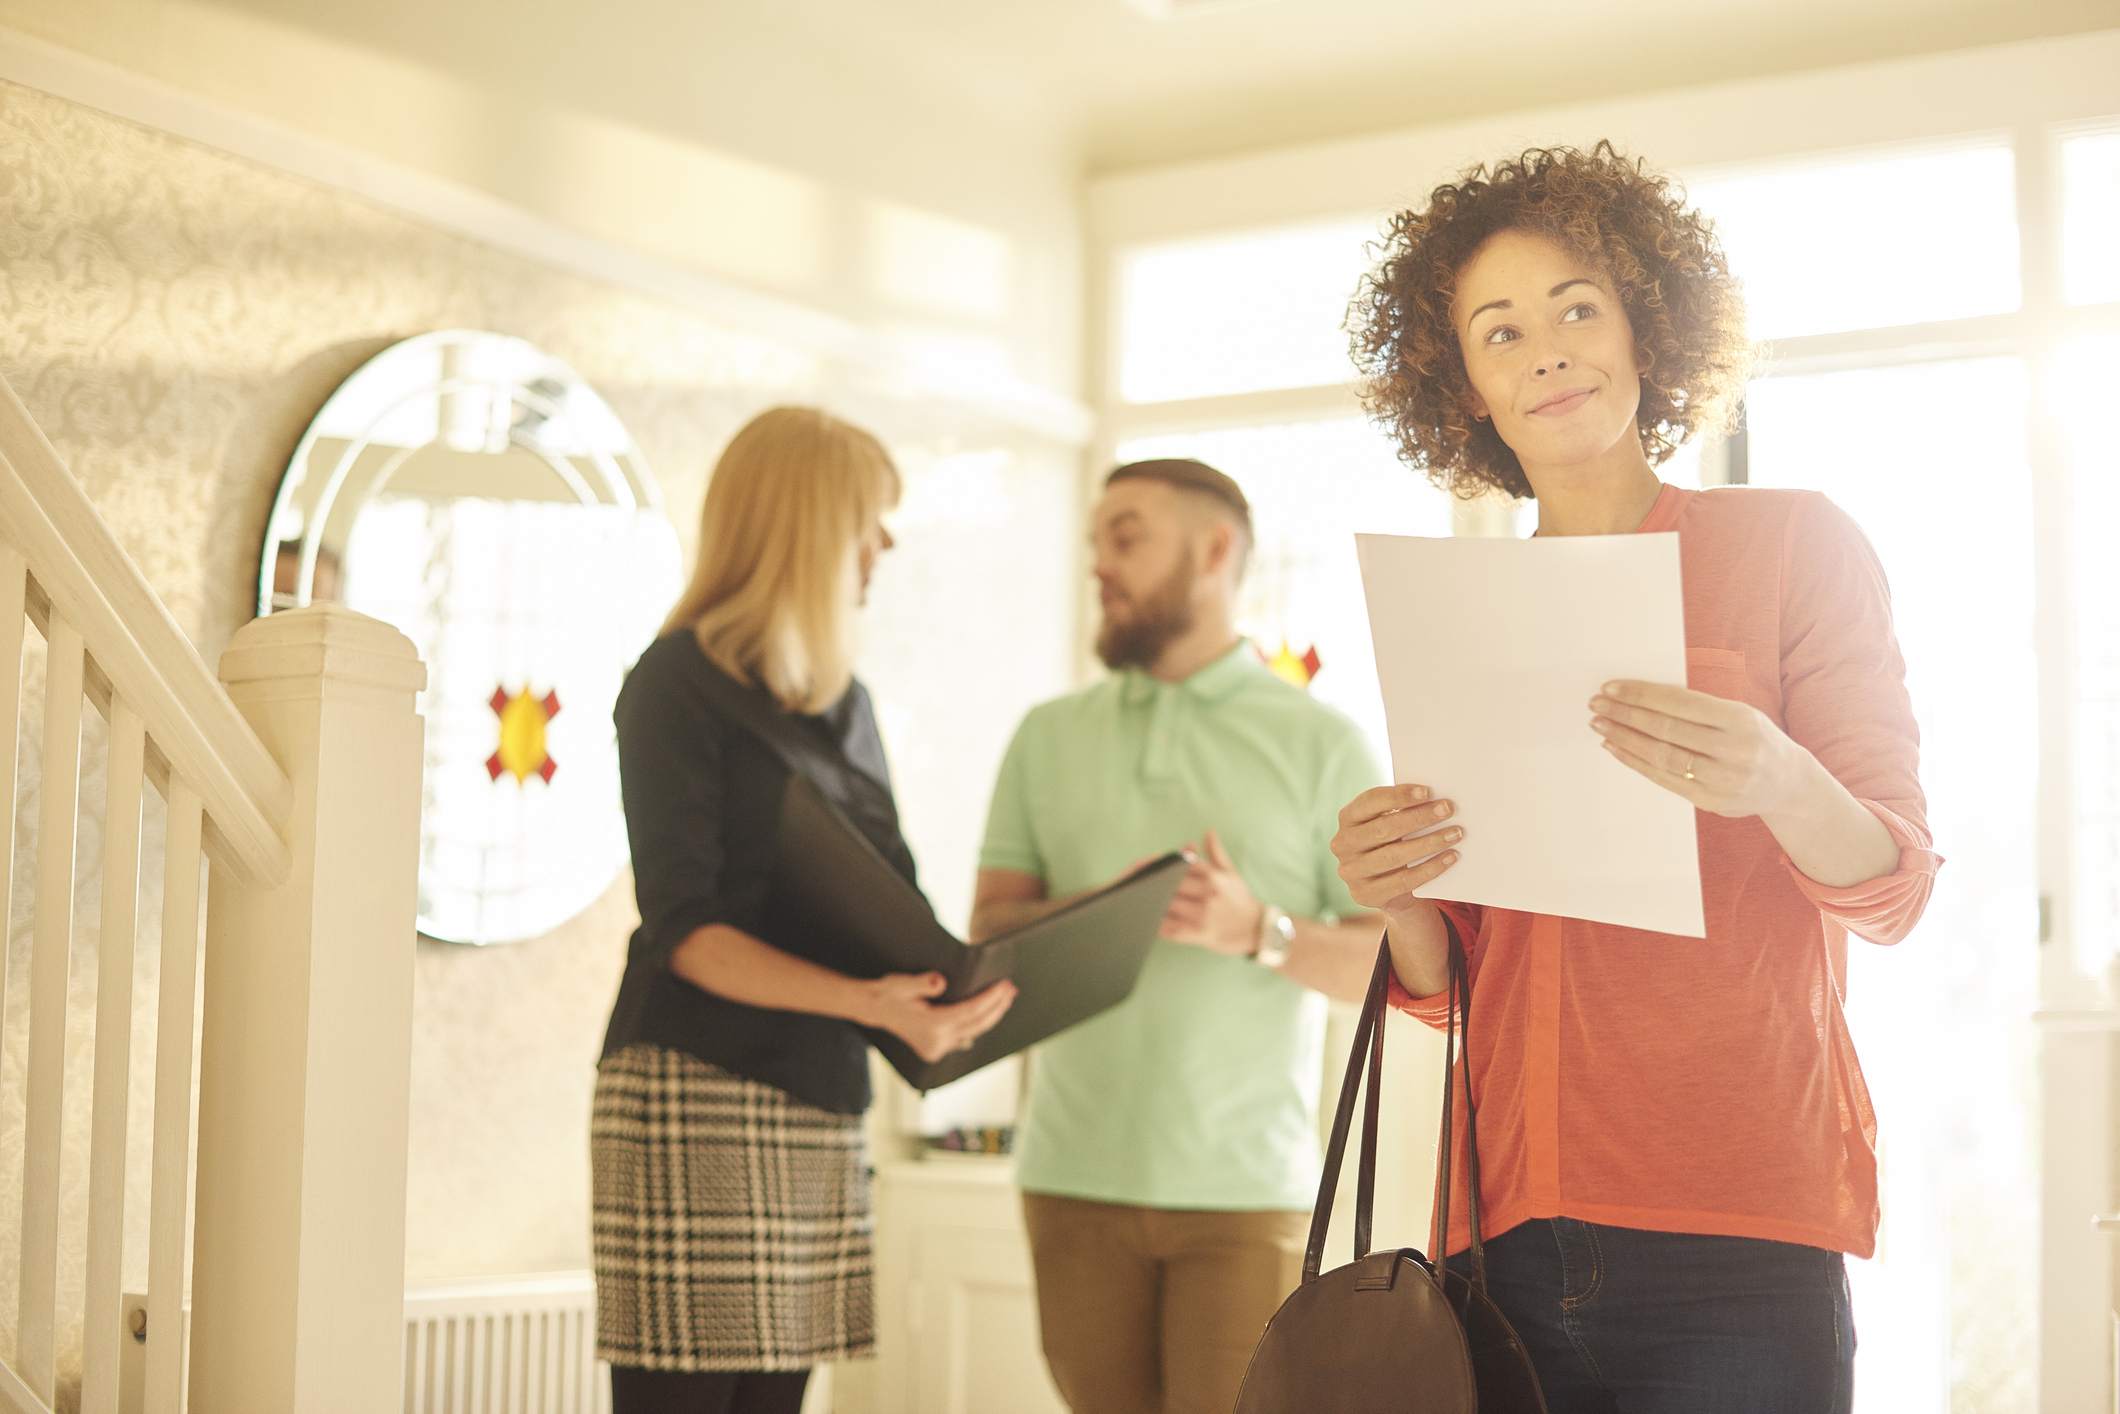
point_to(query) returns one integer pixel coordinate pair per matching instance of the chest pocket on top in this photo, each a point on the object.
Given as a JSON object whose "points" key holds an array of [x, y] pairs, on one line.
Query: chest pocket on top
{"points": [[1720, 672]]}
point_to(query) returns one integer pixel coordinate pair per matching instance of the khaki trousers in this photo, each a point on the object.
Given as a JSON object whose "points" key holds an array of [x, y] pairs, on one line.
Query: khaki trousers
{"points": [[1156, 1310]]}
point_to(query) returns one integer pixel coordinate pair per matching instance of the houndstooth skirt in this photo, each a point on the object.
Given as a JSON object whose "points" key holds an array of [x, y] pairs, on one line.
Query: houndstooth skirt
{"points": [[732, 1227]]}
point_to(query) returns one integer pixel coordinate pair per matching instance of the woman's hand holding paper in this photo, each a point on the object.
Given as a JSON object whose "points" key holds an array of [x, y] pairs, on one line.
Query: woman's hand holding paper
{"points": [[1728, 758], [1391, 841]]}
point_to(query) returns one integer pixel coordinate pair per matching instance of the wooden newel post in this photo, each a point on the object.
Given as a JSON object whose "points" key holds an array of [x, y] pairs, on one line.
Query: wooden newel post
{"points": [[298, 1288]]}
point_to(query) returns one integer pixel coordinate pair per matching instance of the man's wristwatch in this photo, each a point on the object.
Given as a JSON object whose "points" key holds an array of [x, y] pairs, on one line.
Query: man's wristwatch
{"points": [[1277, 936]]}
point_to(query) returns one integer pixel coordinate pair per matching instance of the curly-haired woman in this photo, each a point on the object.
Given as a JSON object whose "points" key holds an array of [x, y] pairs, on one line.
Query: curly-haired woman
{"points": [[1676, 1144]]}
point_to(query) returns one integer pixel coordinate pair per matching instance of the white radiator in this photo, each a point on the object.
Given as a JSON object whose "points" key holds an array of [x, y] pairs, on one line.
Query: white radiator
{"points": [[514, 1345], [522, 1346]]}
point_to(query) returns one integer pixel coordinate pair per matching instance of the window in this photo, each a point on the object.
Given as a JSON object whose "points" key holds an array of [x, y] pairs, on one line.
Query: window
{"points": [[1939, 1022], [2090, 217], [1238, 314], [1869, 242], [2089, 372]]}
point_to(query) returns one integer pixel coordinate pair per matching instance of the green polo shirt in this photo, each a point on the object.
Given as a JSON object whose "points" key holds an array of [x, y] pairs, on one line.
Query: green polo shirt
{"points": [[1200, 1090]]}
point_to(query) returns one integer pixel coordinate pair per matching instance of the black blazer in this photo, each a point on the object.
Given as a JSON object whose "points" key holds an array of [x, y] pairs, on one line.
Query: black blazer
{"points": [[702, 799]]}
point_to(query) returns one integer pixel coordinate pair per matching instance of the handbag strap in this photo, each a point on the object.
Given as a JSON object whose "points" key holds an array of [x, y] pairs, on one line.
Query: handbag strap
{"points": [[1365, 1179], [1367, 1054], [1439, 1207], [1457, 1074], [1363, 1052]]}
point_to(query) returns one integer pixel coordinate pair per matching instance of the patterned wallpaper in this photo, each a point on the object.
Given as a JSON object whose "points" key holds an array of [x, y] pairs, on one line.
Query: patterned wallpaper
{"points": [[172, 317]]}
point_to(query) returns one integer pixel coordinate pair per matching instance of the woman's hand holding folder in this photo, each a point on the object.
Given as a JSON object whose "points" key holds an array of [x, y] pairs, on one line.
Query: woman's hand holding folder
{"points": [[904, 1004]]}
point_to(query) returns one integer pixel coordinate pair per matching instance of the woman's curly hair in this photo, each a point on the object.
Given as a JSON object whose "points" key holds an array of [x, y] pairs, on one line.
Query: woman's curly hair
{"points": [[1686, 308]]}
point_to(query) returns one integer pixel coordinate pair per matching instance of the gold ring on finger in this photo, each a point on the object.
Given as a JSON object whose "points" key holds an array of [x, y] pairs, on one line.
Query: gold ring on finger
{"points": [[1691, 762]]}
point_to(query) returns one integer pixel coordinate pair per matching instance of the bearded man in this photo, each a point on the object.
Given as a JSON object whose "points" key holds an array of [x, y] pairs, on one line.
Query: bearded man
{"points": [[1168, 1151]]}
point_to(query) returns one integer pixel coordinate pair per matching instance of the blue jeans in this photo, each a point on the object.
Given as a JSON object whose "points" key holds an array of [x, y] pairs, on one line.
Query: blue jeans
{"points": [[1620, 1321]]}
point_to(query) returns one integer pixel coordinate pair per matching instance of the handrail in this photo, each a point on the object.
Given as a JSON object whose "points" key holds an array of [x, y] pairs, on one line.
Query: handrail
{"points": [[137, 649]]}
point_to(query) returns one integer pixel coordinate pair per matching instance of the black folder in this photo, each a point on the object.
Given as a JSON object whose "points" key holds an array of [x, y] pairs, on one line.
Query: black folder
{"points": [[1067, 966]]}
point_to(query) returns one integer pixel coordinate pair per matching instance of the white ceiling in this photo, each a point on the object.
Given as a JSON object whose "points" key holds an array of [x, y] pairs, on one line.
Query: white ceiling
{"points": [[1244, 74], [1121, 89]]}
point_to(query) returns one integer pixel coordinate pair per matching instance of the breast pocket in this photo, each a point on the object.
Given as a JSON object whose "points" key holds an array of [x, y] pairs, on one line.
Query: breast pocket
{"points": [[1719, 672], [1722, 672]]}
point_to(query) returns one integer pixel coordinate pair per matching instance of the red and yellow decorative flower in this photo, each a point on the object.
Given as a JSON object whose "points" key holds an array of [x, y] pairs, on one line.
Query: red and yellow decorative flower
{"points": [[522, 751], [1289, 668]]}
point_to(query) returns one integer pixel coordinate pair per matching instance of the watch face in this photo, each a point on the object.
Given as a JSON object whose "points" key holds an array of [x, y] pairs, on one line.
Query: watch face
{"points": [[1276, 936]]}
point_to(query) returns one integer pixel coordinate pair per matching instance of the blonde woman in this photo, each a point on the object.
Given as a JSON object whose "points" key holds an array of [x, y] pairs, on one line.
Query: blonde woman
{"points": [[732, 1232]]}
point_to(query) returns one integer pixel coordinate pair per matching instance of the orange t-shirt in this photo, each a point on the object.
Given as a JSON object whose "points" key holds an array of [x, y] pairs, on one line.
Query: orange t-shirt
{"points": [[1682, 1085]]}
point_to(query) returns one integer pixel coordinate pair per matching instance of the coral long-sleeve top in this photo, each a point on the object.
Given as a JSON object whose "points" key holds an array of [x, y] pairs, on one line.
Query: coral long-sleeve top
{"points": [[1710, 1086]]}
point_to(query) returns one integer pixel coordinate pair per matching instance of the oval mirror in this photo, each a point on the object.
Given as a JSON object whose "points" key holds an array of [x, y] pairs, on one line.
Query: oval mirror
{"points": [[472, 491]]}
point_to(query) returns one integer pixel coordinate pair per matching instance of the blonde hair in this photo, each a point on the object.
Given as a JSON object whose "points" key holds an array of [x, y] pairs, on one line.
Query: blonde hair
{"points": [[777, 580]]}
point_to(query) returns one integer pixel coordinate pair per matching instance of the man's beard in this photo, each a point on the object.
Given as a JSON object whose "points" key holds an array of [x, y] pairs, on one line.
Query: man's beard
{"points": [[1163, 615]]}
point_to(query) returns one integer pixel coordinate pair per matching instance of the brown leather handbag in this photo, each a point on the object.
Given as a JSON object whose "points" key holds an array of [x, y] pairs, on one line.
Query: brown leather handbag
{"points": [[1393, 1330]]}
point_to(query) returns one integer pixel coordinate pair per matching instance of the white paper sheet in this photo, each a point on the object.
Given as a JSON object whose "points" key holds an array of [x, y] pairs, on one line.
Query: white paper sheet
{"points": [[1489, 652]]}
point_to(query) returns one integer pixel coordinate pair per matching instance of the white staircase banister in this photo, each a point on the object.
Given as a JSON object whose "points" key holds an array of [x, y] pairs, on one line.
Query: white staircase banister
{"points": [[138, 650]]}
